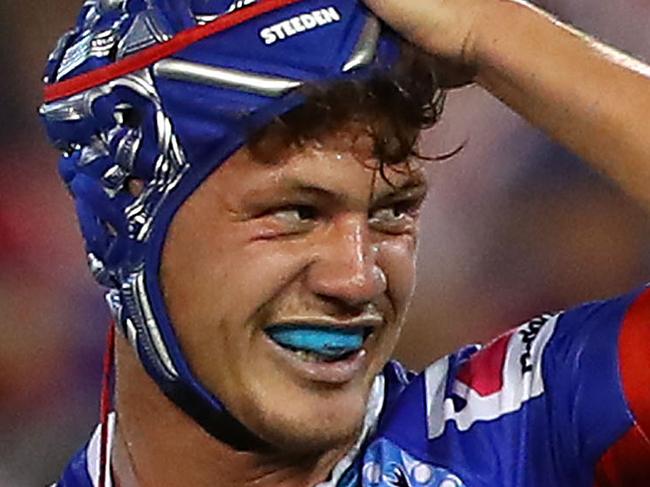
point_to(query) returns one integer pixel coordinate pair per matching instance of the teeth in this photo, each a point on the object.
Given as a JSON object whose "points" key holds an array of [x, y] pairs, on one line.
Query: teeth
{"points": [[314, 357], [307, 356]]}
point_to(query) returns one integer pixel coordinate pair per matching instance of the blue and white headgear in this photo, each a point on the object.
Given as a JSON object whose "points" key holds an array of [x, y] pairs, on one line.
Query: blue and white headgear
{"points": [[164, 91]]}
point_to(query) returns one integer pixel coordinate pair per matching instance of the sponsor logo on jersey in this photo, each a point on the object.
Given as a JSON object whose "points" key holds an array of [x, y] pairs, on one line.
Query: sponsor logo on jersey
{"points": [[497, 380], [299, 24], [529, 333]]}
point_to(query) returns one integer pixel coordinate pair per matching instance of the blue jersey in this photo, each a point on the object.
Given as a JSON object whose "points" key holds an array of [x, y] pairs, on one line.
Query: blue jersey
{"points": [[563, 400]]}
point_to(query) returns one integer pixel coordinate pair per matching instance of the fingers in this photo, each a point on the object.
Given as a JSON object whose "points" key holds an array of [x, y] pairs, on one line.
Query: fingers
{"points": [[440, 27]]}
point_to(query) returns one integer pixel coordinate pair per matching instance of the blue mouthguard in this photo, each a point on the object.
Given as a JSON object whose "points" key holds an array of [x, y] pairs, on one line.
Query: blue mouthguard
{"points": [[330, 342]]}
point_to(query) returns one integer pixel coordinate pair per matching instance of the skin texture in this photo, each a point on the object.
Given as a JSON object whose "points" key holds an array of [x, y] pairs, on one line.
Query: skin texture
{"points": [[308, 233]]}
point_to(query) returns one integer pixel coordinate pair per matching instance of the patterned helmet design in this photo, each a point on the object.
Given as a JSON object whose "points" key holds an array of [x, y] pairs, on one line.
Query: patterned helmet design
{"points": [[163, 92]]}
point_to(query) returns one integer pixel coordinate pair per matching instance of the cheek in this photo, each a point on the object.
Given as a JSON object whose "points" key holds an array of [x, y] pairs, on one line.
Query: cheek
{"points": [[198, 283], [190, 275], [397, 258], [227, 282], [218, 297]]}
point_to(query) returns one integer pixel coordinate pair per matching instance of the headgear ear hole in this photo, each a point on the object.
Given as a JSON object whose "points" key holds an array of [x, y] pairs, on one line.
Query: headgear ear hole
{"points": [[134, 186], [127, 116]]}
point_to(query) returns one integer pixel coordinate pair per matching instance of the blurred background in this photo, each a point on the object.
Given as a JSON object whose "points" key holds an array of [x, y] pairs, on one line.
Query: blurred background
{"points": [[514, 226]]}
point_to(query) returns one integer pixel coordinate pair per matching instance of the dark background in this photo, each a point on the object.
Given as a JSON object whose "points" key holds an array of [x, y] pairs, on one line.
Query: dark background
{"points": [[514, 226]]}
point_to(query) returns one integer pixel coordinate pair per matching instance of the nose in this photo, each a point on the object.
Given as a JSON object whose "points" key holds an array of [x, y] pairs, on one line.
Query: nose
{"points": [[345, 266]]}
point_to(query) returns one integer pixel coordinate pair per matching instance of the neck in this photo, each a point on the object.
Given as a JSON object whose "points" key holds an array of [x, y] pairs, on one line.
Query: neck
{"points": [[157, 444]]}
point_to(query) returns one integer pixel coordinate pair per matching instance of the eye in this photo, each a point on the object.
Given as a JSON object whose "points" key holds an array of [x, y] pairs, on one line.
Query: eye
{"points": [[291, 219], [295, 213], [398, 217]]}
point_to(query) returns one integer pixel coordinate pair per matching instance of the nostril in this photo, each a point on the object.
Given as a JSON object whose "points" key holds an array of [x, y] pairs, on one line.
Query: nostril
{"points": [[344, 307]]}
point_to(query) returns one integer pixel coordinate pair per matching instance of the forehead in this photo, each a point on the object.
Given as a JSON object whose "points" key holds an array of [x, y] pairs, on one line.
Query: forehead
{"points": [[340, 160]]}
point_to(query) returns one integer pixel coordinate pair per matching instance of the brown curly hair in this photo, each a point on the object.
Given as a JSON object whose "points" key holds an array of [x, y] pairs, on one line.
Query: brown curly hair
{"points": [[398, 105]]}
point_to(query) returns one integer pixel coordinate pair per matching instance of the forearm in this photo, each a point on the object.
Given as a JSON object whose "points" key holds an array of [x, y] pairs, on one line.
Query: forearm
{"points": [[588, 97]]}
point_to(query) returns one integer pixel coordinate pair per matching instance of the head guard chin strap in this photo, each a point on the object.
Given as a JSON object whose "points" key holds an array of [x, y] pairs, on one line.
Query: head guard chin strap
{"points": [[164, 91]]}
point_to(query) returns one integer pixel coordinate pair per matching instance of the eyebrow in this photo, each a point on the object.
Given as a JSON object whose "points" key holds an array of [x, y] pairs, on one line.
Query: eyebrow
{"points": [[413, 188]]}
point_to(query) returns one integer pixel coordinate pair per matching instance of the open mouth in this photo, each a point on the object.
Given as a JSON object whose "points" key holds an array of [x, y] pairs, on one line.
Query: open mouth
{"points": [[312, 343]]}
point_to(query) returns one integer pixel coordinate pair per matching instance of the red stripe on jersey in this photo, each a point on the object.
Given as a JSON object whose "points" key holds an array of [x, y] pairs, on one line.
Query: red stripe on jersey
{"points": [[484, 371], [153, 54], [625, 464], [634, 352]]}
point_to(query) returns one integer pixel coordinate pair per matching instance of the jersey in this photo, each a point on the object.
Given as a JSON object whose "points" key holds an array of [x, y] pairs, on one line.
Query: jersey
{"points": [[563, 400]]}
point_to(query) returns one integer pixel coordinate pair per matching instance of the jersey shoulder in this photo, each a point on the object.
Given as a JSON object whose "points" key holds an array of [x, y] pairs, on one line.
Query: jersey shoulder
{"points": [[549, 388], [476, 383]]}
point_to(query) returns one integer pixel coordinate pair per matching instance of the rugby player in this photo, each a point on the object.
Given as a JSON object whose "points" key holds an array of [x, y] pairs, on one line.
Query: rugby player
{"points": [[248, 184]]}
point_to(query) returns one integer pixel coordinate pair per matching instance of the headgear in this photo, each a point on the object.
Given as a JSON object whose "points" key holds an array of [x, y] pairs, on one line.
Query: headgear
{"points": [[164, 91]]}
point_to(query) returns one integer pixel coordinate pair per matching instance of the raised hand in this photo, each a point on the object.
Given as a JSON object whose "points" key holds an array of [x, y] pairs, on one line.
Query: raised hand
{"points": [[442, 27], [586, 95]]}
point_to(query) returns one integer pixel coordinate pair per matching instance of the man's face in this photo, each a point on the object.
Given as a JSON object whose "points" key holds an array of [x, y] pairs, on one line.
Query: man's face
{"points": [[308, 235]]}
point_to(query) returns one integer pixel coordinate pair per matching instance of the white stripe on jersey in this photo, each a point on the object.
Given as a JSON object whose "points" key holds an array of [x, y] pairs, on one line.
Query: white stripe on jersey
{"points": [[519, 386], [93, 453]]}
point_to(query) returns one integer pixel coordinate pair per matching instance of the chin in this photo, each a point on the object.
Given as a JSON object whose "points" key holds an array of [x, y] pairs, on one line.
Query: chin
{"points": [[316, 423], [313, 436]]}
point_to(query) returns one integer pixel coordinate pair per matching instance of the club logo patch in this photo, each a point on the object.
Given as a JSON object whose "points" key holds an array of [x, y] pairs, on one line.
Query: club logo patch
{"points": [[387, 465]]}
